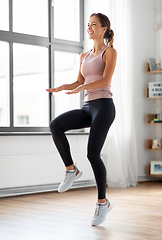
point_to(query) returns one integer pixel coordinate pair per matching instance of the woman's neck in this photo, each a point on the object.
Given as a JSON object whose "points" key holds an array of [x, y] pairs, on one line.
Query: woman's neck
{"points": [[98, 46]]}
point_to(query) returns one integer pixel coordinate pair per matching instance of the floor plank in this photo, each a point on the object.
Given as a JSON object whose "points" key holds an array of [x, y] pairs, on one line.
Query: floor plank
{"points": [[136, 215]]}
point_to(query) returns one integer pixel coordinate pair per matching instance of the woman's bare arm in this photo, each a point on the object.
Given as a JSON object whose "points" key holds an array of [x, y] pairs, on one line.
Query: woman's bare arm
{"points": [[80, 81]]}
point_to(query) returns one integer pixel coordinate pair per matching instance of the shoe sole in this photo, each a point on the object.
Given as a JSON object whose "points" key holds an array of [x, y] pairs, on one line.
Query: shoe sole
{"points": [[76, 177], [109, 209]]}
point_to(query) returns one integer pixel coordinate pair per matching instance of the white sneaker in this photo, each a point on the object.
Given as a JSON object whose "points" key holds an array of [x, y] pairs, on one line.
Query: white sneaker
{"points": [[70, 177], [101, 211]]}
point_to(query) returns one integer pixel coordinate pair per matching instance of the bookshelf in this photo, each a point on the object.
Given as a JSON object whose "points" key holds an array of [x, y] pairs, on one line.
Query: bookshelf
{"points": [[149, 121], [149, 145], [147, 94], [147, 69], [151, 175]]}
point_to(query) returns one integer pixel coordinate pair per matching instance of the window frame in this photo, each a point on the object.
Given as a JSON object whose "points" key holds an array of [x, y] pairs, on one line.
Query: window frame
{"points": [[52, 44]]}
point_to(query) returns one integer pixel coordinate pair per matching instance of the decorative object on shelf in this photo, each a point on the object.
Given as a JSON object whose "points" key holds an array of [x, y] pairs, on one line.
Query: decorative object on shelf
{"points": [[158, 66], [156, 167], [155, 84], [159, 108], [155, 89], [152, 64], [155, 94], [156, 144], [159, 116], [157, 15]]}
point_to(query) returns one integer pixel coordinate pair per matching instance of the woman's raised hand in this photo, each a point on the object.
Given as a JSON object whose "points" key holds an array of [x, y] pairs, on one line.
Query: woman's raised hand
{"points": [[58, 89], [76, 90]]}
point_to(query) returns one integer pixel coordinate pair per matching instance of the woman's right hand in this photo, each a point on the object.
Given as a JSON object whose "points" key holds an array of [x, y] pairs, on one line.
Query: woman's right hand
{"points": [[58, 89]]}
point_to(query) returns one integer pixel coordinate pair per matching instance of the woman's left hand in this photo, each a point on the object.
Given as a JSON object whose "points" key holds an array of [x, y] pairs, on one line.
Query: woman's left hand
{"points": [[76, 90]]}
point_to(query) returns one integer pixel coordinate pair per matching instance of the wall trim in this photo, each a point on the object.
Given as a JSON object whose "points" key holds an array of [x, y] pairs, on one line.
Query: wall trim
{"points": [[16, 191], [148, 179]]}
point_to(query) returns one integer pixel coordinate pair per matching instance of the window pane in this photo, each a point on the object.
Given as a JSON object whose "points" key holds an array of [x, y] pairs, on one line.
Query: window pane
{"points": [[30, 17], [4, 16], [66, 20], [4, 84], [30, 83], [66, 71]]}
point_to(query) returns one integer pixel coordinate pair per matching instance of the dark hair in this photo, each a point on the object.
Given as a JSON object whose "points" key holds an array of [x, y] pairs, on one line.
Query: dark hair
{"points": [[105, 22]]}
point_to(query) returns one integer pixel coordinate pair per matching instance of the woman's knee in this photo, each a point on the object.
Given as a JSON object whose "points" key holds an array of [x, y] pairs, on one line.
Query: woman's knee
{"points": [[92, 156], [54, 126]]}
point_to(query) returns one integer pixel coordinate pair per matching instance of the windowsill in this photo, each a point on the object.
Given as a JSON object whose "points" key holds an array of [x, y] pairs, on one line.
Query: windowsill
{"points": [[38, 133]]}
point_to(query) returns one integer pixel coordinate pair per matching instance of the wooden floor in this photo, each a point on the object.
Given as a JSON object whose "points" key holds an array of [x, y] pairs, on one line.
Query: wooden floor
{"points": [[136, 215]]}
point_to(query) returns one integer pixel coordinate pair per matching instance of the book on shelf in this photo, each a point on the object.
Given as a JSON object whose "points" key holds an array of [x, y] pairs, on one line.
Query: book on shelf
{"points": [[157, 121]]}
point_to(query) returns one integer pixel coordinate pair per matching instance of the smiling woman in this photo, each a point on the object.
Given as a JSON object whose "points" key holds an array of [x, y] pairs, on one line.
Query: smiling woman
{"points": [[98, 111]]}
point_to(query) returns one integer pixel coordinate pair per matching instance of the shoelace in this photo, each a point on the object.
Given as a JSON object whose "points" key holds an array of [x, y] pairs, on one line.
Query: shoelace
{"points": [[66, 174], [97, 209]]}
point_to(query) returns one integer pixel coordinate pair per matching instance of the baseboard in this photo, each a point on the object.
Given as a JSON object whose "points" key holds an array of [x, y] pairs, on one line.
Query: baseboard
{"points": [[7, 192], [148, 179], [16, 191]]}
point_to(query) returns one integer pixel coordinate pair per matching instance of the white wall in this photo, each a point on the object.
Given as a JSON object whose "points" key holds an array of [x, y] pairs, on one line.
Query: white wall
{"points": [[27, 161], [35, 158], [144, 46]]}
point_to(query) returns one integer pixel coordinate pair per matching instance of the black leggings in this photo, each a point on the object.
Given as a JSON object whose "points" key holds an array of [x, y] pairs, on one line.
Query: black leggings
{"points": [[98, 115]]}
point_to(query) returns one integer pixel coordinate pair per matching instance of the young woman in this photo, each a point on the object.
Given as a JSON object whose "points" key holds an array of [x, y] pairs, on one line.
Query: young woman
{"points": [[98, 110]]}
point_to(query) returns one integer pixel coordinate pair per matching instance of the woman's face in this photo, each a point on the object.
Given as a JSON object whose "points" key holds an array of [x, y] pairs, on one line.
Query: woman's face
{"points": [[95, 30]]}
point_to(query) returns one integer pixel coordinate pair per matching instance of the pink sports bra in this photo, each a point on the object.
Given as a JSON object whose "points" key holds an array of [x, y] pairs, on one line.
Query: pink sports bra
{"points": [[92, 69]]}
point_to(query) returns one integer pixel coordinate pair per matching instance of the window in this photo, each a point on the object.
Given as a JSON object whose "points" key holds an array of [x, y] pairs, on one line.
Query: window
{"points": [[30, 17], [40, 44], [4, 84], [30, 81], [66, 71], [4, 15], [66, 24]]}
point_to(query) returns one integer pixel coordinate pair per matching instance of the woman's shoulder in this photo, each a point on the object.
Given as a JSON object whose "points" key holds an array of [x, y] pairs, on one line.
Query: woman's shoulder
{"points": [[82, 55], [109, 53], [111, 50]]}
